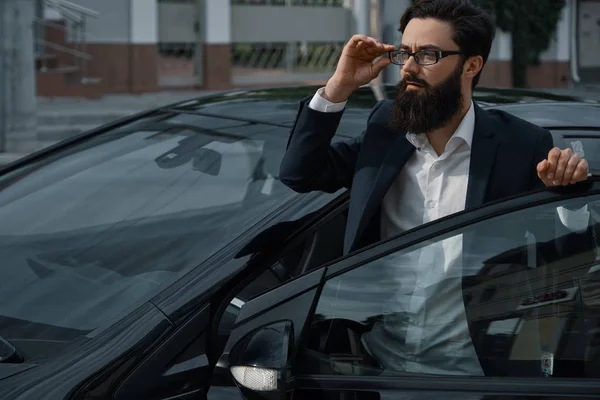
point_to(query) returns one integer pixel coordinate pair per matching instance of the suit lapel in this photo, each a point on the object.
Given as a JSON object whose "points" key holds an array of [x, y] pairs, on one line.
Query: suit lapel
{"points": [[399, 151], [483, 154]]}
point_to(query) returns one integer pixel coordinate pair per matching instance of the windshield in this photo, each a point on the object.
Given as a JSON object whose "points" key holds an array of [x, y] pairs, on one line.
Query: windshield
{"points": [[107, 223]]}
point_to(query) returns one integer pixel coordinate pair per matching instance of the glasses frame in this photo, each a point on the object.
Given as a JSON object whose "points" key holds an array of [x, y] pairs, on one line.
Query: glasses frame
{"points": [[439, 54]]}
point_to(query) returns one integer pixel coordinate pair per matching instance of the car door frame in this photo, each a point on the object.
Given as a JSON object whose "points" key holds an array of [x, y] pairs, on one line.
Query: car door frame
{"points": [[304, 292], [194, 323]]}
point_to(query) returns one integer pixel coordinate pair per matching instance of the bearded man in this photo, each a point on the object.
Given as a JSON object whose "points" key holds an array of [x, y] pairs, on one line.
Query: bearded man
{"points": [[431, 151]]}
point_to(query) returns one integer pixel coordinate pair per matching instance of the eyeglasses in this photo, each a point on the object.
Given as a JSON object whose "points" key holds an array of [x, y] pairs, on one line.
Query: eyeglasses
{"points": [[422, 57]]}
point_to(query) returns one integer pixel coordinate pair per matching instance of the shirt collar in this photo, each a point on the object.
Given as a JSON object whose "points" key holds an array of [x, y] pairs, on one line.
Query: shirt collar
{"points": [[464, 131]]}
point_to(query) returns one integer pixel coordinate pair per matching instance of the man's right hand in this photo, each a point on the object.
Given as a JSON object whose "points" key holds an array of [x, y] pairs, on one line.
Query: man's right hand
{"points": [[356, 67]]}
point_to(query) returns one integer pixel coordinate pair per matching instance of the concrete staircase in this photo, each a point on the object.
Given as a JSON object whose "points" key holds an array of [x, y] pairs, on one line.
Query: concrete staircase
{"points": [[59, 64]]}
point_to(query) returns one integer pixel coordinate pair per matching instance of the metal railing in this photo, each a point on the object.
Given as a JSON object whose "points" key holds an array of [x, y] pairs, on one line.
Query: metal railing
{"points": [[264, 62], [311, 3], [76, 30], [64, 49]]}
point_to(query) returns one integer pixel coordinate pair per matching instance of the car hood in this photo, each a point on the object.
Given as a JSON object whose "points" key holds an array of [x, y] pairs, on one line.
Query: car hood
{"points": [[8, 370]]}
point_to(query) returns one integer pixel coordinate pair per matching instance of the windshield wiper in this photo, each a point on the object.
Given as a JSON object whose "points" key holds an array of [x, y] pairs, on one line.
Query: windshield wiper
{"points": [[8, 353]]}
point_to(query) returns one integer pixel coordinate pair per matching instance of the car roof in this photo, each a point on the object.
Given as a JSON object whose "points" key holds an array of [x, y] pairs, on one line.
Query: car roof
{"points": [[556, 115], [280, 105]]}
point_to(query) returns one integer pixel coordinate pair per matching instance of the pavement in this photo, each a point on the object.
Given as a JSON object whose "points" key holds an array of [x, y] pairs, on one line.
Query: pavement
{"points": [[58, 118]]}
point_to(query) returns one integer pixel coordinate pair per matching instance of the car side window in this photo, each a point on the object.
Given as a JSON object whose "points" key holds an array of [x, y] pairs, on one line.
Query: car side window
{"points": [[514, 295], [317, 248]]}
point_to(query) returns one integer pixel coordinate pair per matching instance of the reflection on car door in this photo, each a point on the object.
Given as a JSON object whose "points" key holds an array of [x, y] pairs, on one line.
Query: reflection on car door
{"points": [[515, 314]]}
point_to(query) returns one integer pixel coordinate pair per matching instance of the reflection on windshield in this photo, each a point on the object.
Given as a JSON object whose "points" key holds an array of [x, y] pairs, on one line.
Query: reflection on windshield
{"points": [[99, 229]]}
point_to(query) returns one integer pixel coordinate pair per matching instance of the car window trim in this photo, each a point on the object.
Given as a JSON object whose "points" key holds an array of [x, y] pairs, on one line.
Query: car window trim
{"points": [[529, 386], [571, 136], [457, 221], [570, 128]]}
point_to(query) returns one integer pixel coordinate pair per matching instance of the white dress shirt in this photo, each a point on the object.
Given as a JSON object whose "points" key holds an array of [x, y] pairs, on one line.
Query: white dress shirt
{"points": [[430, 186], [425, 329]]}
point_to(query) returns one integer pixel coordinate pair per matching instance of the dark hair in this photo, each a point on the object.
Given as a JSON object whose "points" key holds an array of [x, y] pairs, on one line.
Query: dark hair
{"points": [[474, 29]]}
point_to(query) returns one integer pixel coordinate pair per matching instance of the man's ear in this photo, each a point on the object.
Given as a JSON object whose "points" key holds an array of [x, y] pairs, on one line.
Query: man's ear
{"points": [[473, 66]]}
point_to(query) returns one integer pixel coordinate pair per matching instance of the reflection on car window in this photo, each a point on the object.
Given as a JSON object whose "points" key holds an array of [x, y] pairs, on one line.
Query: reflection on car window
{"points": [[515, 295], [111, 221], [587, 147]]}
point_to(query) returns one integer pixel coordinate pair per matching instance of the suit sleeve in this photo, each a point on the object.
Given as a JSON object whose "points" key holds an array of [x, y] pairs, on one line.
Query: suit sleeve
{"points": [[543, 146], [312, 162]]}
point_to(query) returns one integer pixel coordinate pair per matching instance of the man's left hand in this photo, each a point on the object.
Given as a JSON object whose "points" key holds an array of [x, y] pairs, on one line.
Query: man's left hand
{"points": [[562, 168]]}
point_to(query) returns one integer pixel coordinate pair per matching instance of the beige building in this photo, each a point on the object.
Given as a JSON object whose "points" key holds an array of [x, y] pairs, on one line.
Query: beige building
{"points": [[91, 47]]}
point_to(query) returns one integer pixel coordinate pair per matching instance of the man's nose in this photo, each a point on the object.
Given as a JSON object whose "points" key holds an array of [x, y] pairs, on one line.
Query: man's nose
{"points": [[411, 66]]}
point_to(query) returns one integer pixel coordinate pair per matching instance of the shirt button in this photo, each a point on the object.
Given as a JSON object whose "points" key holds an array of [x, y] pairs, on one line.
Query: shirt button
{"points": [[431, 204]]}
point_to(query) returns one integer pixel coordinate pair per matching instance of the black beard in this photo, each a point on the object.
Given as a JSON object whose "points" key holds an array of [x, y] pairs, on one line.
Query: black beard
{"points": [[427, 109]]}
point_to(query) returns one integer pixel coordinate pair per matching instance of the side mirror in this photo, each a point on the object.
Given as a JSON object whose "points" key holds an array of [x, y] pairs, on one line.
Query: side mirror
{"points": [[259, 362], [8, 353]]}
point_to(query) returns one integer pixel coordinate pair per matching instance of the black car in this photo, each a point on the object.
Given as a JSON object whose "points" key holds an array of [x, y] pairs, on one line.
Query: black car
{"points": [[159, 257]]}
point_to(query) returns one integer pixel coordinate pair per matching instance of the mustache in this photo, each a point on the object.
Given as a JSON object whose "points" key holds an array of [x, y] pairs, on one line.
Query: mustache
{"points": [[413, 79]]}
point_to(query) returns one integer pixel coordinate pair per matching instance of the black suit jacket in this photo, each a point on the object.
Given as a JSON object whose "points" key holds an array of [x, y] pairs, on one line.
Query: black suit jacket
{"points": [[504, 155]]}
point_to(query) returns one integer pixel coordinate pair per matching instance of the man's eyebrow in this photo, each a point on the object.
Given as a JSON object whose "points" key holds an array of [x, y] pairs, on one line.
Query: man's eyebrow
{"points": [[422, 47]]}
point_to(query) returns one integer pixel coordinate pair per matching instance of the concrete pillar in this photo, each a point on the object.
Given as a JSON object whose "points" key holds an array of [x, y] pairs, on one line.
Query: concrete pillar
{"points": [[17, 76], [390, 23], [143, 42], [563, 48], [503, 43], [144, 21], [39, 30], [563, 34], [361, 13], [554, 70], [217, 44], [572, 6], [217, 22]]}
